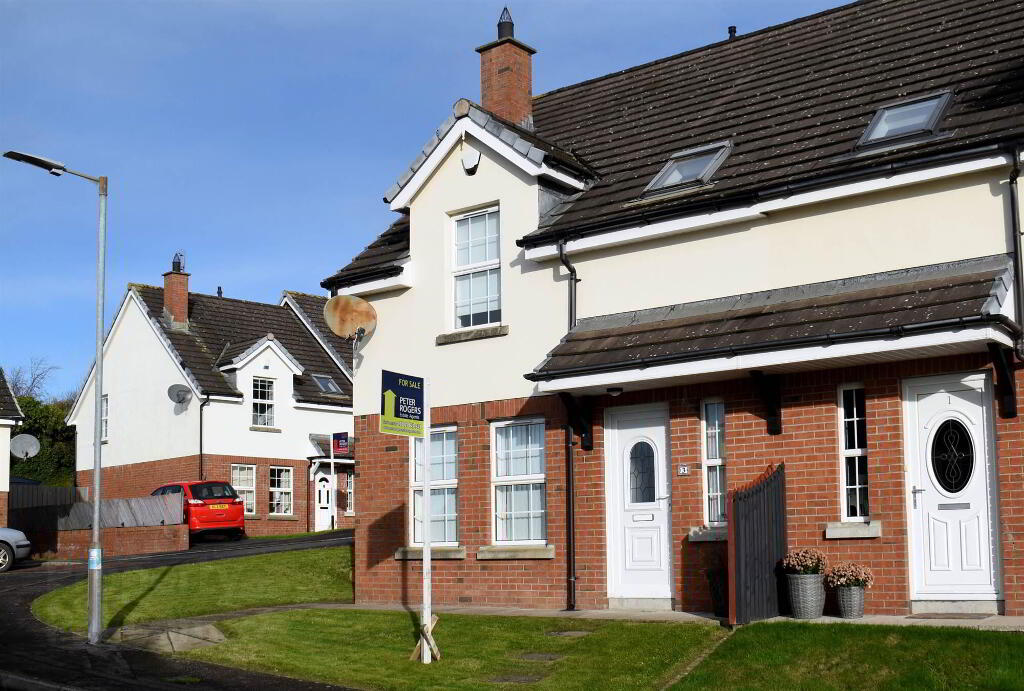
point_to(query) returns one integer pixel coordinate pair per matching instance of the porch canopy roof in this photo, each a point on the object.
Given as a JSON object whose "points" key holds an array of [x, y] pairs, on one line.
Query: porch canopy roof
{"points": [[926, 311]]}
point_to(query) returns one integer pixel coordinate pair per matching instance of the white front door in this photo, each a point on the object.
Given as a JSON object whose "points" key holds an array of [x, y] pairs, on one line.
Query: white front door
{"points": [[323, 494], [636, 479], [951, 488]]}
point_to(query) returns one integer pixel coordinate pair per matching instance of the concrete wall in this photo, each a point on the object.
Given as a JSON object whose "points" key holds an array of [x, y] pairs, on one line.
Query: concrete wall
{"points": [[944, 220]]}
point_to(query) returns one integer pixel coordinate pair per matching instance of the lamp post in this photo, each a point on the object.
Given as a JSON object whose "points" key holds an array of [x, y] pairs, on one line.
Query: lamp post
{"points": [[95, 549]]}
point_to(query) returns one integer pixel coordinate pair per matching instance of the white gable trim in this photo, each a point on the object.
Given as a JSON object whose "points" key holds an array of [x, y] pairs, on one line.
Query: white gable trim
{"points": [[467, 126], [724, 367], [294, 307], [406, 279], [132, 297], [254, 351], [689, 224]]}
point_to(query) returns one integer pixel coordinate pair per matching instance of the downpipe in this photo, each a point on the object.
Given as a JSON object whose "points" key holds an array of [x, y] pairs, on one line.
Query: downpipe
{"points": [[202, 456], [570, 520], [1018, 269], [572, 281]]}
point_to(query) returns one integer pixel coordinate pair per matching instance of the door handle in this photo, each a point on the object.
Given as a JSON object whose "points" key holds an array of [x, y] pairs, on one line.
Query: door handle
{"points": [[916, 492]]}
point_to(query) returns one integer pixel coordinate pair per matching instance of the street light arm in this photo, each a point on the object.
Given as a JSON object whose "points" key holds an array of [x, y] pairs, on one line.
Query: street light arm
{"points": [[50, 166]]}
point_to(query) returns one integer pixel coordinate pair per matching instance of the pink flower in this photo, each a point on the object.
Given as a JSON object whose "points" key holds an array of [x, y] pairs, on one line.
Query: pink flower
{"points": [[847, 573], [805, 561]]}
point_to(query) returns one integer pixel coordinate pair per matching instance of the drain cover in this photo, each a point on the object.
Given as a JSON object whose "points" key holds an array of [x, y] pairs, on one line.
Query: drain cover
{"points": [[950, 615]]}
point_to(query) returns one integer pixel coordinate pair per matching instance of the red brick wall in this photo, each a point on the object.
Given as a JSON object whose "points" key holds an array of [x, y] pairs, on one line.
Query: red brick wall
{"points": [[506, 82], [3, 508], [176, 295], [74, 544], [808, 445]]}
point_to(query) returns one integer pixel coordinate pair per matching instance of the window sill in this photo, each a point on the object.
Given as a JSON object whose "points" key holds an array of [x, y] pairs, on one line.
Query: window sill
{"points": [[350, 513], [471, 334], [416, 553], [252, 517], [516, 552], [709, 534], [282, 518], [254, 428], [842, 530]]}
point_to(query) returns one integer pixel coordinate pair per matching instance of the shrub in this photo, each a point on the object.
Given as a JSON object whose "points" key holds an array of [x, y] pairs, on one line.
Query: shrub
{"points": [[805, 561], [847, 573]]}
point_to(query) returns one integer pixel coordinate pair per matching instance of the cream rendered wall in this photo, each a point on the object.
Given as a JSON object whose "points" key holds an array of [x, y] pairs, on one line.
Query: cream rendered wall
{"points": [[945, 220], [408, 321], [933, 222], [5, 457], [227, 424], [143, 424]]}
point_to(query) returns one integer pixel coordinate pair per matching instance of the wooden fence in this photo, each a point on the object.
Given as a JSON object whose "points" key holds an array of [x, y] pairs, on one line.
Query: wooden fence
{"points": [[41, 508], [30, 496]]}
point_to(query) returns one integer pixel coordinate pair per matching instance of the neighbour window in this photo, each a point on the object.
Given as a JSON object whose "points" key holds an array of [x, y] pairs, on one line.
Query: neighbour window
{"points": [[713, 423], [444, 488], [350, 492], [854, 453], [690, 167], [520, 512], [262, 402], [477, 270], [243, 479], [280, 491], [326, 384], [104, 415]]}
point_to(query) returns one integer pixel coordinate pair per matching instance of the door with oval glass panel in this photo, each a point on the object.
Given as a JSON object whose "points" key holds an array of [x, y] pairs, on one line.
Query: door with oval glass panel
{"points": [[639, 561], [323, 481], [951, 488]]}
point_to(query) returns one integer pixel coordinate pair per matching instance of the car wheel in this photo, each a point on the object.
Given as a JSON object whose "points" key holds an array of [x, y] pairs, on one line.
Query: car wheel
{"points": [[6, 557]]}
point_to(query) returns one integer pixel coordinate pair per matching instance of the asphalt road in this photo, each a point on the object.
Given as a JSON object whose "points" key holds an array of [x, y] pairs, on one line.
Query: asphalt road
{"points": [[36, 656]]}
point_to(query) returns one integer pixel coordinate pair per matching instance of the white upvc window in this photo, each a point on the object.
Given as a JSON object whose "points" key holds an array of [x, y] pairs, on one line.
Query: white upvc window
{"points": [[444, 488], [853, 454], [518, 482], [476, 275], [262, 402], [280, 491], [243, 479], [350, 492], [104, 416], [712, 423]]}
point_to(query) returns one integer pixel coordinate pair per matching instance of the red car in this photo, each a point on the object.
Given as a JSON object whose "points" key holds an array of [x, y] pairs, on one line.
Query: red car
{"points": [[210, 507]]}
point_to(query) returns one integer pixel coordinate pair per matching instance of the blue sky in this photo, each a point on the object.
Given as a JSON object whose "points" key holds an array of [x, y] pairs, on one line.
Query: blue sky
{"points": [[257, 136]]}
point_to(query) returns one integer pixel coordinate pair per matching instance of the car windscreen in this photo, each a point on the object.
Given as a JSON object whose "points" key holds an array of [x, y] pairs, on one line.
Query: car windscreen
{"points": [[213, 490]]}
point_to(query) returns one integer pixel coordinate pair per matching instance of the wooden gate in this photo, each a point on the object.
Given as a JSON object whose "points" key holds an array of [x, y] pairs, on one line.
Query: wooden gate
{"points": [[756, 515]]}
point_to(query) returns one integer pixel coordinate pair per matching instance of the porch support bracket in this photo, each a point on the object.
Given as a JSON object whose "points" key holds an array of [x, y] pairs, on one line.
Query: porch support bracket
{"points": [[580, 412], [769, 390], [1006, 386]]}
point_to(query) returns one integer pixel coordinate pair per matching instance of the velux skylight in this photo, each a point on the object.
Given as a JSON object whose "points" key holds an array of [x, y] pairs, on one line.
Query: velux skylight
{"points": [[690, 167], [326, 383], [907, 119]]}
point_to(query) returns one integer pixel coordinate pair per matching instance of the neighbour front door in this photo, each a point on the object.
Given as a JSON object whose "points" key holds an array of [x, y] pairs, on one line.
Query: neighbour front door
{"points": [[639, 538], [323, 481], [951, 487]]}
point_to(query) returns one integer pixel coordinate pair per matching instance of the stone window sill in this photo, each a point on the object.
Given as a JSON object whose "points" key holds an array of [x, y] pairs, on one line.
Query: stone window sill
{"points": [[253, 517], [264, 429], [842, 530], [516, 552], [282, 518], [706, 534], [471, 334], [416, 553]]}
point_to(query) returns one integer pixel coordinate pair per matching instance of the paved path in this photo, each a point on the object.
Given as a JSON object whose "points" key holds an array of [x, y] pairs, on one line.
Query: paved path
{"points": [[34, 655]]}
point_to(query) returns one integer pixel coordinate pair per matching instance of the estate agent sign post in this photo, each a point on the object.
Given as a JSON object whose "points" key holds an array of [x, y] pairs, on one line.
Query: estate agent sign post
{"points": [[405, 411]]}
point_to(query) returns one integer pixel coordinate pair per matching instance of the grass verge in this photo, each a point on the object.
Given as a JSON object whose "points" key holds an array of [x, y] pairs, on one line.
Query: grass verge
{"points": [[847, 656], [371, 649], [226, 585]]}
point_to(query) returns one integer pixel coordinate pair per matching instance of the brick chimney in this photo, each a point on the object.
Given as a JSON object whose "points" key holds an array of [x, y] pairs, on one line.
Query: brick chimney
{"points": [[506, 75], [176, 293]]}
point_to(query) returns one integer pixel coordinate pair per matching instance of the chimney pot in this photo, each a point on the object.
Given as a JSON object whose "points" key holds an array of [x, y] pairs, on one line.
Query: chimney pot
{"points": [[732, 32], [176, 293], [506, 75]]}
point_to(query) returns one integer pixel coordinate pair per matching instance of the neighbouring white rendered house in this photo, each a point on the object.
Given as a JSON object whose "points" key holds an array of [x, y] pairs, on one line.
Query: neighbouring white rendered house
{"points": [[269, 385], [10, 416]]}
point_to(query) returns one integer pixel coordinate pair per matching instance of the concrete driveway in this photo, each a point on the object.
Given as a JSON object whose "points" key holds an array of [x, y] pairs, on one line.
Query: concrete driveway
{"points": [[33, 655]]}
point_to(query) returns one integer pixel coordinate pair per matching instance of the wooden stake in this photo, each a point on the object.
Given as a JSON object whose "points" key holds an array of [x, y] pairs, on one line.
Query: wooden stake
{"points": [[427, 633]]}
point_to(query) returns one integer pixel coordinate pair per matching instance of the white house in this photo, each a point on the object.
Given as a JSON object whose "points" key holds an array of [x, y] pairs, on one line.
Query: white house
{"points": [[10, 416], [267, 385]]}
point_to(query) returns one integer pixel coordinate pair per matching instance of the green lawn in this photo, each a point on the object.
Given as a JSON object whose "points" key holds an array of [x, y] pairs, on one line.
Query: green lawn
{"points": [[371, 649], [846, 656], [315, 575]]}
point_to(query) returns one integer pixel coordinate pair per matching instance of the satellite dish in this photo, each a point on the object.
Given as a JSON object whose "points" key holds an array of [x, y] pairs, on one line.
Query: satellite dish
{"points": [[24, 446], [347, 314], [179, 393]]}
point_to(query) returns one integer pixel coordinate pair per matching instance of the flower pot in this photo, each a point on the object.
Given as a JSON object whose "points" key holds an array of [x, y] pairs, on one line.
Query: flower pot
{"points": [[806, 594], [851, 601]]}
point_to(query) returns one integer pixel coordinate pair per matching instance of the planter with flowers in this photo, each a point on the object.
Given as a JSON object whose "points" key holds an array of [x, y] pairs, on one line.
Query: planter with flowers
{"points": [[805, 569], [850, 580]]}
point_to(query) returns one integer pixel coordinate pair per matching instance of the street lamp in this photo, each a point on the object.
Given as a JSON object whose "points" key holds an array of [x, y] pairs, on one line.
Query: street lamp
{"points": [[95, 549]]}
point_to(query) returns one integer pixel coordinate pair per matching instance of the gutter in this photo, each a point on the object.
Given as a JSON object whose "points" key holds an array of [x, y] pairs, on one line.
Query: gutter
{"points": [[1018, 270], [364, 276], [780, 191], [888, 332]]}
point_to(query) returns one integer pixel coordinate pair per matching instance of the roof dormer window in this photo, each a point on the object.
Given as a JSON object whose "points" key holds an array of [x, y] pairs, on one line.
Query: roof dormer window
{"points": [[691, 167], [917, 117]]}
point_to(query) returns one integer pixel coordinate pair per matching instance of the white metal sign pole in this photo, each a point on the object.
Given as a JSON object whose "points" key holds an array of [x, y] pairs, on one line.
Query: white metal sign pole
{"points": [[425, 616]]}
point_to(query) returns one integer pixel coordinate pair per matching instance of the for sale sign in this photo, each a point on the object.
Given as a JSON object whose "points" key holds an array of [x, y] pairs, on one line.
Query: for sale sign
{"points": [[339, 443], [402, 404]]}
